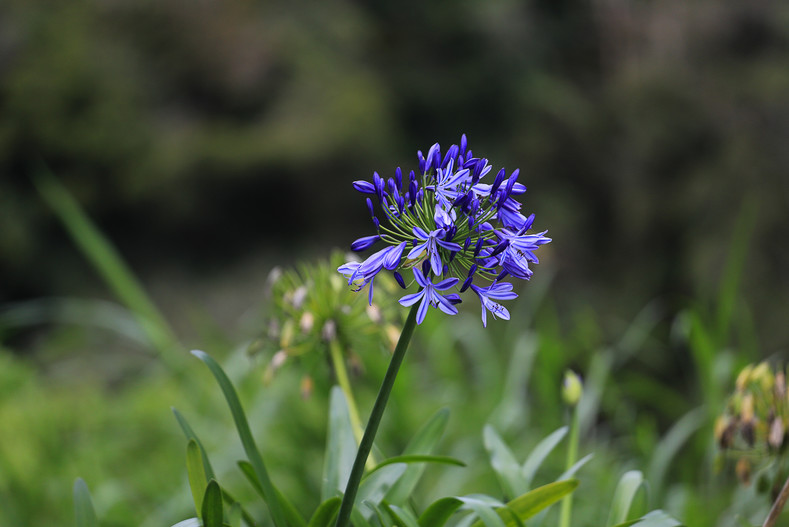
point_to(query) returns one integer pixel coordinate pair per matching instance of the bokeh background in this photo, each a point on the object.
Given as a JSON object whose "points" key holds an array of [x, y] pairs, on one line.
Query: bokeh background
{"points": [[212, 140]]}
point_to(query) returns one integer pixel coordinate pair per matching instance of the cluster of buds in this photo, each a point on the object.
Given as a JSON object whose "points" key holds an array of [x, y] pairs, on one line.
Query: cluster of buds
{"points": [[754, 424], [311, 313]]}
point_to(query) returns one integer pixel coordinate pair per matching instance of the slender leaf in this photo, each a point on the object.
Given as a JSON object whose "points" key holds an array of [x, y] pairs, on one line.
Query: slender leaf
{"points": [[624, 497], [292, 515], [375, 486], [246, 437], [504, 463], [486, 510], [406, 517], [670, 445], [657, 518], [84, 514], [110, 265], [234, 515], [212, 512], [190, 434], [191, 522], [444, 460], [340, 447], [325, 513], [437, 514], [196, 473], [529, 504], [423, 442], [540, 452], [570, 472]]}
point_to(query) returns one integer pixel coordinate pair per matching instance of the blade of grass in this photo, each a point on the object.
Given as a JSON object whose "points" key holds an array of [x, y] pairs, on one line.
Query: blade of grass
{"points": [[212, 511], [84, 515], [110, 265], [253, 455]]}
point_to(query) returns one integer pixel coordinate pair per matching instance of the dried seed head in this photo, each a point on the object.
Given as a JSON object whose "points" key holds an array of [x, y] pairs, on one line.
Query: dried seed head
{"points": [[775, 438]]}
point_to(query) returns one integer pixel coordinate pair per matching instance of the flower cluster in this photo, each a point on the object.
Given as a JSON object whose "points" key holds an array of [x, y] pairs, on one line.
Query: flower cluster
{"points": [[755, 422], [452, 230]]}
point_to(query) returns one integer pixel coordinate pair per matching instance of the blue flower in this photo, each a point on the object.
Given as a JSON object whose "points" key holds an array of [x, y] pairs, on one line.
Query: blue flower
{"points": [[430, 297], [458, 227]]}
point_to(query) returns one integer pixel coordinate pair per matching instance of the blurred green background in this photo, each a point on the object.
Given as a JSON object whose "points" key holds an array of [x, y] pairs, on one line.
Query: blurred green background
{"points": [[211, 141]]}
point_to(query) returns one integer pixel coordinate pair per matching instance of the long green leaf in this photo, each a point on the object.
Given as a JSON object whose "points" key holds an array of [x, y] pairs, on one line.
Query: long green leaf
{"points": [[624, 497], [423, 442], [404, 516], [84, 515], [292, 515], [437, 514], [195, 472], [246, 437], [491, 513], [444, 460], [375, 486], [340, 447], [539, 453], [110, 265], [529, 504], [504, 463], [325, 513], [191, 522], [657, 518], [212, 511]]}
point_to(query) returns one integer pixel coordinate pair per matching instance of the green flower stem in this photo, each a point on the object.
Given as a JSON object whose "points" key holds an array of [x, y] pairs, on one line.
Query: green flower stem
{"points": [[345, 385], [572, 457], [366, 445]]}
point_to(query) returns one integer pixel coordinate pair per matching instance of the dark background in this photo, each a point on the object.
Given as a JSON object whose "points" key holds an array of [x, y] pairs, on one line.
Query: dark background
{"points": [[212, 140]]}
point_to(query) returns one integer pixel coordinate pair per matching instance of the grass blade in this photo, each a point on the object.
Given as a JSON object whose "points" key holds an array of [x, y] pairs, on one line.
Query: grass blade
{"points": [[84, 514], [110, 265], [325, 513], [212, 512], [246, 437], [625, 497], [196, 474], [413, 459], [292, 515], [340, 447], [504, 464], [540, 452], [423, 443], [437, 514]]}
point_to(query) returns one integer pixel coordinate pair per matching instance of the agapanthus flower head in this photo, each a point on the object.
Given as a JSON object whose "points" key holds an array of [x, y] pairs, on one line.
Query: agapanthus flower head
{"points": [[453, 228]]}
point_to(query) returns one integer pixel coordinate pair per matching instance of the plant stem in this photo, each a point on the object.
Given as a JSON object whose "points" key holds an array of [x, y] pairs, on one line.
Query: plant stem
{"points": [[778, 506], [572, 455], [345, 385], [357, 471]]}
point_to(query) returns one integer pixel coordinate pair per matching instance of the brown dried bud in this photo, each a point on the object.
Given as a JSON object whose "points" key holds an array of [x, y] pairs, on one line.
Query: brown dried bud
{"points": [[724, 431], [329, 330], [306, 322], [748, 432], [780, 385], [743, 470], [306, 387]]}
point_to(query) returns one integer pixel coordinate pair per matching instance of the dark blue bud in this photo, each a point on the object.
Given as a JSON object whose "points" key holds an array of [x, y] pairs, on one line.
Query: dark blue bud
{"points": [[478, 247], [502, 275], [470, 163], [466, 244], [413, 191], [399, 178], [420, 195], [500, 247], [445, 270], [364, 243], [376, 223], [451, 154], [422, 163], [379, 186], [466, 283], [426, 267], [399, 279], [391, 186], [463, 144], [370, 207], [478, 168], [411, 176], [529, 222], [400, 203], [511, 181], [364, 187], [497, 182]]}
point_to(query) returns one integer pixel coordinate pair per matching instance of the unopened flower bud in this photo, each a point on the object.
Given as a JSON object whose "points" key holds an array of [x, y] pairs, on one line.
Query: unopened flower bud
{"points": [[374, 312], [743, 470], [776, 436], [780, 385], [572, 389], [299, 295], [743, 377], [329, 330], [287, 334], [306, 387], [306, 322]]}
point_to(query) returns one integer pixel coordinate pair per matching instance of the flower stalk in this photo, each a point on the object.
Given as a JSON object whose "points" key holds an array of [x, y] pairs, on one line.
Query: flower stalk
{"points": [[344, 516]]}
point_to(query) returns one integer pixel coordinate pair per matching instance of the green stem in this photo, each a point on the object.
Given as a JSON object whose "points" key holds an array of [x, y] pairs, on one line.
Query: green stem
{"points": [[572, 457], [345, 385], [357, 471], [777, 507]]}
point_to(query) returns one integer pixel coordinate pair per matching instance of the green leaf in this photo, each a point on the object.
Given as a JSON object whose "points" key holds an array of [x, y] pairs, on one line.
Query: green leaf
{"points": [[489, 510], [190, 434], [246, 437], [624, 497], [570, 472], [196, 473], [540, 452], [445, 460], [110, 265], [375, 486], [340, 447], [529, 504], [234, 515], [325, 513], [84, 514], [437, 514], [211, 511], [191, 522], [423, 442], [504, 463], [670, 445], [405, 517], [657, 518], [292, 515]]}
